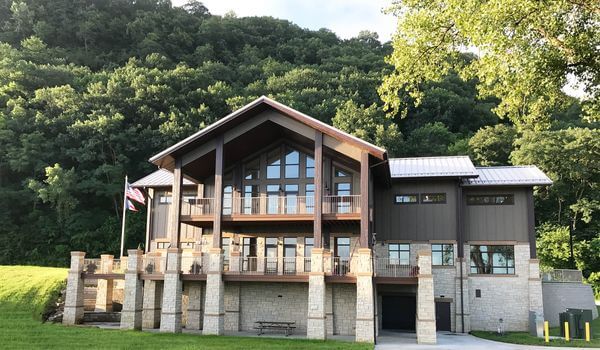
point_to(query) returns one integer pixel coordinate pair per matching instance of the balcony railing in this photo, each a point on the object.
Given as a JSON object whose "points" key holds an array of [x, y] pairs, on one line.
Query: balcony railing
{"points": [[341, 204], [191, 265], [94, 266], [341, 266], [154, 264], [562, 275], [271, 205], [274, 265], [386, 267]]}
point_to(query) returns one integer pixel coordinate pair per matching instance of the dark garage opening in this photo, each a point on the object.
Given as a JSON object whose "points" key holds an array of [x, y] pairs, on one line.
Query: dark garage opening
{"points": [[399, 312]]}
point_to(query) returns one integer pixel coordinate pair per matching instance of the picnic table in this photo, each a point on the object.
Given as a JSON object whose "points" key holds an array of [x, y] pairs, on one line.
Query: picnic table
{"points": [[288, 327]]}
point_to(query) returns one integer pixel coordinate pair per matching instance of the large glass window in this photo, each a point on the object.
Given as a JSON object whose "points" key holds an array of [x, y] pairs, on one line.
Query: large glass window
{"points": [[289, 254], [249, 254], [343, 203], [341, 264], [274, 164], [251, 199], [292, 164], [291, 199], [310, 167], [310, 198], [442, 254], [227, 199], [273, 199], [493, 259], [496, 199], [399, 253], [252, 170]]}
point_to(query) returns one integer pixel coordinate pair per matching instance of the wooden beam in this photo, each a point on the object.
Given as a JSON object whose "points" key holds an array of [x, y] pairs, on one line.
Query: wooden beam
{"points": [[175, 212], [218, 210], [364, 199], [318, 210]]}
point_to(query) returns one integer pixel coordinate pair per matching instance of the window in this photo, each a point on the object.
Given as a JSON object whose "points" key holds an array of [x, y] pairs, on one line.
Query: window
{"points": [[399, 254], [249, 254], [227, 199], [292, 164], [291, 199], [271, 255], [495, 199], [309, 243], [273, 199], [274, 164], [186, 245], [433, 198], [343, 189], [442, 254], [165, 199], [226, 247], [252, 170], [406, 199], [493, 259], [310, 167], [289, 255], [341, 173], [341, 264], [251, 199], [310, 198]]}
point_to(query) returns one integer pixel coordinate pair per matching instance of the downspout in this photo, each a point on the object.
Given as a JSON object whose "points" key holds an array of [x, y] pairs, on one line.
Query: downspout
{"points": [[461, 253]]}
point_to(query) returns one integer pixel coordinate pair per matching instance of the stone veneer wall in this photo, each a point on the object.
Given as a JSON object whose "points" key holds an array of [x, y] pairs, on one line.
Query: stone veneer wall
{"points": [[505, 297], [344, 308], [262, 301]]}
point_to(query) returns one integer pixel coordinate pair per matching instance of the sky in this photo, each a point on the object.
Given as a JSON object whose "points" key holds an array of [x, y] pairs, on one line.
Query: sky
{"points": [[346, 18]]}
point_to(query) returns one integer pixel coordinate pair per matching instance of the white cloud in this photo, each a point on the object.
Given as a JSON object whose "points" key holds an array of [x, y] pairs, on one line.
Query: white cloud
{"points": [[346, 18]]}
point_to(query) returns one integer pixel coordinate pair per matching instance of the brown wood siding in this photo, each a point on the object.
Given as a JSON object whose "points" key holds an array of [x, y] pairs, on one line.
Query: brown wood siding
{"points": [[160, 218], [497, 222], [418, 222]]}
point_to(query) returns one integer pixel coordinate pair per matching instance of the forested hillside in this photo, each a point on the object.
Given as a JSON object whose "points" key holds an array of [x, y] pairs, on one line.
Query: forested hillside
{"points": [[89, 90]]}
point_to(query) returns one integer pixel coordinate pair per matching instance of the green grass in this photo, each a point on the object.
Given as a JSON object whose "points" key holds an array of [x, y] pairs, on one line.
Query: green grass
{"points": [[525, 338], [26, 290]]}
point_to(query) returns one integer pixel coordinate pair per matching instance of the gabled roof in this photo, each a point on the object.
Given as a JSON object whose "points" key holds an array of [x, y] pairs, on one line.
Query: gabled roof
{"points": [[263, 101], [453, 166], [159, 178], [525, 175]]}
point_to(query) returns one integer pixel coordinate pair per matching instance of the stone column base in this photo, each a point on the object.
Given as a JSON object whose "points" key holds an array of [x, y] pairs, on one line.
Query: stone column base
{"points": [[426, 332], [194, 311], [316, 324], [151, 310]]}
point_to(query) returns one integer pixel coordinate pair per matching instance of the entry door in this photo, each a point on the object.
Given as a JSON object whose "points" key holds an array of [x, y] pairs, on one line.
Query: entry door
{"points": [[442, 316], [399, 312]]}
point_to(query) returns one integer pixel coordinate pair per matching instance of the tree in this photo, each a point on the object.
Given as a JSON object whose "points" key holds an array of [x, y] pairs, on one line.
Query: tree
{"points": [[527, 50], [432, 139], [492, 145]]}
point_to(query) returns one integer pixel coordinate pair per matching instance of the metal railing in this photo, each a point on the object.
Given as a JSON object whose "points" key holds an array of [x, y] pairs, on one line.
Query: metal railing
{"points": [[191, 265], [562, 275], [153, 264], [197, 206], [274, 265], [341, 266], [307, 264], [270, 205], [341, 204], [386, 267]]}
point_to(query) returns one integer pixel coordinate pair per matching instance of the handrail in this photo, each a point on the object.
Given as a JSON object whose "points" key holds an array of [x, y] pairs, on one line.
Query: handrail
{"points": [[347, 204], [252, 265], [562, 276], [197, 206], [391, 267]]}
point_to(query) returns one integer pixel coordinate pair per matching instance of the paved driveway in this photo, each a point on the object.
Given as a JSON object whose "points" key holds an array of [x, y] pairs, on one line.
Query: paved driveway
{"points": [[447, 341]]}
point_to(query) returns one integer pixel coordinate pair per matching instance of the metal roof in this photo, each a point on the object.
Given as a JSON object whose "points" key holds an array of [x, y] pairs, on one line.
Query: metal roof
{"points": [[453, 166], [524, 175], [159, 178]]}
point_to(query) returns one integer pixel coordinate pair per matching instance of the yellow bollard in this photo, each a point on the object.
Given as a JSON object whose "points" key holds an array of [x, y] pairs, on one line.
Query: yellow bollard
{"points": [[587, 331], [546, 332], [567, 335]]}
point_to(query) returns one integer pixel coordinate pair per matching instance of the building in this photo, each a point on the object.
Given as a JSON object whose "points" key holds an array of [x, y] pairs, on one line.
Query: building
{"points": [[271, 215]]}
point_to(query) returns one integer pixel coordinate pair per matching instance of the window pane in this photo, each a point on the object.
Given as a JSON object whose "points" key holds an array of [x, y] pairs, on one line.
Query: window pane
{"points": [[273, 172], [436, 258], [310, 167], [493, 259], [433, 198], [404, 258], [340, 173], [252, 170], [273, 165], [406, 198], [292, 171]]}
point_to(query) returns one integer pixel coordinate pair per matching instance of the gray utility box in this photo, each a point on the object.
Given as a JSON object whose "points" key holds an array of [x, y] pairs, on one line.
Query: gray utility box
{"points": [[536, 324], [576, 319]]}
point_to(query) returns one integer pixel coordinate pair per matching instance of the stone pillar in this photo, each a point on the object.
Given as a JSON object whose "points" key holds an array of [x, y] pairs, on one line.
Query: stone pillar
{"points": [[535, 288], [232, 307], [104, 290], [329, 308], [316, 325], [170, 316], [151, 304], [365, 301], [235, 262], [214, 305], [73, 313], [461, 263], [131, 315], [194, 313], [425, 301]]}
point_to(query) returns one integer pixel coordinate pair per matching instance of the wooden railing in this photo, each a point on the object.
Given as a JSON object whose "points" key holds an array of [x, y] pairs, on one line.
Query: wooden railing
{"points": [[341, 204], [198, 206], [386, 267]]}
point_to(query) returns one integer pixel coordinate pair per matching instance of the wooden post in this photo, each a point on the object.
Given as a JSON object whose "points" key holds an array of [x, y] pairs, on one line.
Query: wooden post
{"points": [[175, 212], [364, 199], [218, 192], [318, 209]]}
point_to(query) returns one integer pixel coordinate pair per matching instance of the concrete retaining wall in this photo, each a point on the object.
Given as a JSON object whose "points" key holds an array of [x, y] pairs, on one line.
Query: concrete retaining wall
{"points": [[560, 296]]}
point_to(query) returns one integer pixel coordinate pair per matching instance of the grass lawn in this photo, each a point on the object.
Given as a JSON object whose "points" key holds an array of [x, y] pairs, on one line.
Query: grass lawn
{"points": [[26, 290], [525, 338]]}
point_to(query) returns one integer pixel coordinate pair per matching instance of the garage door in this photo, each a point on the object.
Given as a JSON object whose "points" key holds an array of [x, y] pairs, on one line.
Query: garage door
{"points": [[398, 312]]}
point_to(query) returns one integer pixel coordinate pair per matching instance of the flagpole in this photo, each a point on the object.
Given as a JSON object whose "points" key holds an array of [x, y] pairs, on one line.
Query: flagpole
{"points": [[124, 213]]}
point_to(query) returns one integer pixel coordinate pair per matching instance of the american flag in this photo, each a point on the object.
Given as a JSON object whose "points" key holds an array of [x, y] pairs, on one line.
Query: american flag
{"points": [[135, 194], [130, 206]]}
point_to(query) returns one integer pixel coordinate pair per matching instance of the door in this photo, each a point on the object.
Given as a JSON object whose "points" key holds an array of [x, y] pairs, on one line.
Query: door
{"points": [[399, 312], [442, 316]]}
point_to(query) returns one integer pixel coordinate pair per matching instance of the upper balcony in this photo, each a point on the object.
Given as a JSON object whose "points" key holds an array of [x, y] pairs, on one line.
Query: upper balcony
{"points": [[270, 208]]}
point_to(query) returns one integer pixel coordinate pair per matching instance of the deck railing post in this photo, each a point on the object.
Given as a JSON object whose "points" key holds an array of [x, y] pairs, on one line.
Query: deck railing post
{"points": [[131, 315], [73, 313], [170, 317]]}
